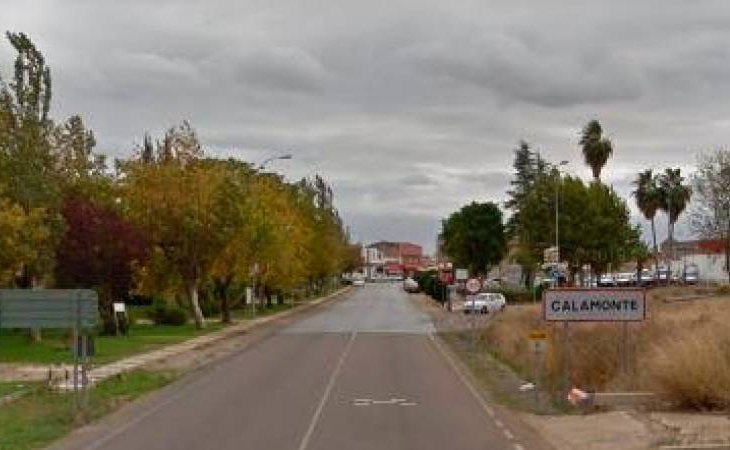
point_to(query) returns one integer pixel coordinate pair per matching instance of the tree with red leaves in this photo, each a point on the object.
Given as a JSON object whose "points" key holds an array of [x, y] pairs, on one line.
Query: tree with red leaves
{"points": [[99, 250]]}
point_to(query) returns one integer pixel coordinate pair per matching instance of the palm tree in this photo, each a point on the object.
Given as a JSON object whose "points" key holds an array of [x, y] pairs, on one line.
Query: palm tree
{"points": [[674, 199], [648, 200], [596, 148]]}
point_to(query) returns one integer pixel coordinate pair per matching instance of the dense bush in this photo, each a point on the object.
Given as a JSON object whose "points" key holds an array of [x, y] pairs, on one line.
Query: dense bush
{"points": [[518, 295], [680, 352], [163, 314]]}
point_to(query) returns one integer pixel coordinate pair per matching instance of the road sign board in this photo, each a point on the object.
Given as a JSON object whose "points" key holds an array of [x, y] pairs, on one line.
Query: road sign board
{"points": [[594, 305], [473, 285], [537, 335], [48, 308], [462, 275]]}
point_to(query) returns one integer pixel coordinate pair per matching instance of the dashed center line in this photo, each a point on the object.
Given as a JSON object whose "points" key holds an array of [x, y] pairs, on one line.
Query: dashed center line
{"points": [[391, 401]]}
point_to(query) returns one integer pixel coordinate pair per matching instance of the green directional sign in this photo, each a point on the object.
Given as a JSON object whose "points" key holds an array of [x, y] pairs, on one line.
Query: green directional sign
{"points": [[48, 308]]}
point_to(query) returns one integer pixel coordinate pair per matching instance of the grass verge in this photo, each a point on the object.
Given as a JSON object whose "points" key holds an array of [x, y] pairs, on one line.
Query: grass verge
{"points": [[43, 416], [7, 388], [16, 346]]}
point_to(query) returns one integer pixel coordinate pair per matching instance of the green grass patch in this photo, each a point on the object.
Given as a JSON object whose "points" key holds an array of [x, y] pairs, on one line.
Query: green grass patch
{"points": [[43, 416], [7, 388], [16, 346]]}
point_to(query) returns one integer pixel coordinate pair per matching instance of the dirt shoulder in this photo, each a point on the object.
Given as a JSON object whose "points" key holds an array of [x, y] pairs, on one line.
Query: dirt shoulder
{"points": [[562, 429]]}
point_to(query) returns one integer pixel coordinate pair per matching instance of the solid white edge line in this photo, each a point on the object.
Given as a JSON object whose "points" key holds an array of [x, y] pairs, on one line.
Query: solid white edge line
{"points": [[467, 383], [325, 396]]}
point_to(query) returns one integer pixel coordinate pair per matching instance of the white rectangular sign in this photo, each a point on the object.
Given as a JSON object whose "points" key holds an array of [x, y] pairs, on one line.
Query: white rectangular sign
{"points": [[462, 275], [594, 305], [249, 295], [119, 307]]}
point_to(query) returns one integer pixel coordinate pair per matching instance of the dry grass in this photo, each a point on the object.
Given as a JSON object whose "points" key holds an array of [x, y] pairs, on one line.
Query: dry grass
{"points": [[681, 352]]}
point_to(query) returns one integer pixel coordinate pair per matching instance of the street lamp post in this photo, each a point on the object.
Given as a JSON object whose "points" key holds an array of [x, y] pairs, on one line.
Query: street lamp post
{"points": [[557, 223], [261, 167]]}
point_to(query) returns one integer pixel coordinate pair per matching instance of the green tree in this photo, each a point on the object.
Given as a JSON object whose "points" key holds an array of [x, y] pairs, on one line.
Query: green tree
{"points": [[474, 237], [648, 199], [529, 169], [596, 148], [27, 162], [24, 236], [675, 195], [594, 223], [173, 200]]}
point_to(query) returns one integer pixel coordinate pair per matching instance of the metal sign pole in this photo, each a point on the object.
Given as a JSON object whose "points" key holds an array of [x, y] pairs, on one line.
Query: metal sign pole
{"points": [[84, 370], [77, 320], [537, 373], [566, 357], [625, 349]]}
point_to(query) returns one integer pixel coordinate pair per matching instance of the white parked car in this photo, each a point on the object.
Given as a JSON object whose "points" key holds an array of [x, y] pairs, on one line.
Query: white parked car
{"points": [[607, 280], [484, 303], [359, 282], [625, 279], [410, 285]]}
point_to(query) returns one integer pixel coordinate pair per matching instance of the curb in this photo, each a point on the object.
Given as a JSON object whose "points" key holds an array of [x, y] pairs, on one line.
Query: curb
{"points": [[101, 373]]}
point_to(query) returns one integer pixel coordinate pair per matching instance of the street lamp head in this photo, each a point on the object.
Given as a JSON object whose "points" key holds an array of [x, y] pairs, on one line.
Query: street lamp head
{"points": [[262, 166]]}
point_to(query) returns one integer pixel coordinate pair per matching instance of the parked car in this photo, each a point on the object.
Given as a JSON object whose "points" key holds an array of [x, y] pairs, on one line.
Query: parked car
{"points": [[607, 280], [691, 275], [662, 275], [625, 279], [484, 303], [358, 282], [646, 278], [410, 285]]}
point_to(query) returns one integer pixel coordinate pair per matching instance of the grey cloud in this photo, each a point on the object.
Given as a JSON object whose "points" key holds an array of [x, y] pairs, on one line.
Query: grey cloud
{"points": [[410, 107], [512, 71]]}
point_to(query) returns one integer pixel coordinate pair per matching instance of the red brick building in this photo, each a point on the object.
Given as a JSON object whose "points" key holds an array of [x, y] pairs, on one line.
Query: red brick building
{"points": [[398, 258]]}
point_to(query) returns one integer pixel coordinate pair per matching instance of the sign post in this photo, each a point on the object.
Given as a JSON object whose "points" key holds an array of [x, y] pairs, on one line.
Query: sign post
{"points": [[75, 309], [473, 286], [622, 305], [538, 341]]}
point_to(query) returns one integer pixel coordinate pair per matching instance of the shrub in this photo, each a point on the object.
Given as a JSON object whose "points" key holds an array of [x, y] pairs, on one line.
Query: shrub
{"points": [[517, 295], [682, 352], [163, 314], [723, 290]]}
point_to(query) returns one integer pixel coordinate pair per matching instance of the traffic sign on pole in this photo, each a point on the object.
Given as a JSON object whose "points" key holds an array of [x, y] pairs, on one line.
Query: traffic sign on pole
{"points": [[473, 285]]}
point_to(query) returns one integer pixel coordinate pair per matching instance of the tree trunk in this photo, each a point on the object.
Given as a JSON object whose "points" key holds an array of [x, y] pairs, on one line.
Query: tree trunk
{"points": [[221, 287], [656, 249], [195, 304], [671, 248], [225, 308], [727, 255]]}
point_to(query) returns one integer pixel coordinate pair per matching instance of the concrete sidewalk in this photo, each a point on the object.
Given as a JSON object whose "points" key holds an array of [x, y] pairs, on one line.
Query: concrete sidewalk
{"points": [[25, 372]]}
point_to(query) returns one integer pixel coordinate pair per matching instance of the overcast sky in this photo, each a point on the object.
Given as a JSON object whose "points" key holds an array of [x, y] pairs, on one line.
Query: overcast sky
{"points": [[410, 108]]}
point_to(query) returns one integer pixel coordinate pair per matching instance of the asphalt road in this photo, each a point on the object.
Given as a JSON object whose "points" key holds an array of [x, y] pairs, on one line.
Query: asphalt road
{"points": [[361, 373]]}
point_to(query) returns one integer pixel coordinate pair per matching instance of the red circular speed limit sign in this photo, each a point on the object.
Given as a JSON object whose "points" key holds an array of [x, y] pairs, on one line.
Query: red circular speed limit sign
{"points": [[473, 285]]}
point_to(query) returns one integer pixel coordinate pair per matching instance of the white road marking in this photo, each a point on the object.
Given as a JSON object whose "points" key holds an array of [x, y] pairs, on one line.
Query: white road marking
{"points": [[330, 384], [391, 401], [473, 390]]}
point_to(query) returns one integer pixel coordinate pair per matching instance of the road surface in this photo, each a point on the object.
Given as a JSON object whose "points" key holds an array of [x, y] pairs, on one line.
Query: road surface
{"points": [[361, 373]]}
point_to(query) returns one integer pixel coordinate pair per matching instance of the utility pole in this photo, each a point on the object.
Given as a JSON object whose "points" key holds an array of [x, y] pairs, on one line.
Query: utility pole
{"points": [[557, 223]]}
